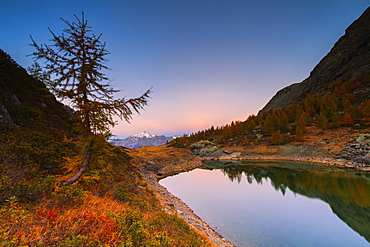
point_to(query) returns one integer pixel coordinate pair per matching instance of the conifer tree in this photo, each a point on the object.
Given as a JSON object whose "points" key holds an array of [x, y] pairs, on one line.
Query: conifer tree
{"points": [[284, 121], [347, 119], [322, 121], [335, 120], [74, 61], [38, 73], [276, 138], [299, 134], [300, 121], [270, 122], [250, 123], [365, 108]]}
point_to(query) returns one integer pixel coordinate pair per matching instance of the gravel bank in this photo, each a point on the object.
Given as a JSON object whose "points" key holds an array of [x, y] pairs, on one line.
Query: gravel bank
{"points": [[174, 205], [158, 162]]}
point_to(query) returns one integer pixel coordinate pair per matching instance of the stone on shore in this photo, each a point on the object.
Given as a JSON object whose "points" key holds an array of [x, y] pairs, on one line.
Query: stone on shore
{"points": [[210, 150], [206, 149], [363, 139], [358, 151]]}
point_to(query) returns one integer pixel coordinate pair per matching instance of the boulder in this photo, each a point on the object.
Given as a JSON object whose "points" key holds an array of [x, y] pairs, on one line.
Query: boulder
{"points": [[13, 99], [206, 149], [235, 154], [5, 117], [363, 139]]}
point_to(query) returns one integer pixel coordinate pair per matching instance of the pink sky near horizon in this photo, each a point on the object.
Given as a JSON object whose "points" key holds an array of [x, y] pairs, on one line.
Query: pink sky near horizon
{"points": [[209, 62]]}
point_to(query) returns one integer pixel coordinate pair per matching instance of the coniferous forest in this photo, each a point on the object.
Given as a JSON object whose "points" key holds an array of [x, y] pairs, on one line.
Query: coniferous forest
{"points": [[340, 104]]}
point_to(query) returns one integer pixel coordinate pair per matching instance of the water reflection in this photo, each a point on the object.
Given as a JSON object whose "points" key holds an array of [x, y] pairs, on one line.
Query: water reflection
{"points": [[347, 193]]}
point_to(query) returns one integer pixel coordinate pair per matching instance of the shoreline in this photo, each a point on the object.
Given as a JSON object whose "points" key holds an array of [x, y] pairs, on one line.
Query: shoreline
{"points": [[188, 161], [174, 205], [320, 161], [156, 163]]}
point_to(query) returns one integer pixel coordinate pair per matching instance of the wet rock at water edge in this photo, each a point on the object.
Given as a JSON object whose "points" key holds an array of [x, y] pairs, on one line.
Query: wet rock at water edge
{"points": [[235, 154], [361, 160]]}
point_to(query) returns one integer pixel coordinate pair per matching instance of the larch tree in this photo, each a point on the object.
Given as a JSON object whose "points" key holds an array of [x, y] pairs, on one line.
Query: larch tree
{"points": [[276, 138], [74, 62]]}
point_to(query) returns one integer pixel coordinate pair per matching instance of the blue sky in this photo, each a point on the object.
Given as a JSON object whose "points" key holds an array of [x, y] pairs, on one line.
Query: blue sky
{"points": [[210, 62]]}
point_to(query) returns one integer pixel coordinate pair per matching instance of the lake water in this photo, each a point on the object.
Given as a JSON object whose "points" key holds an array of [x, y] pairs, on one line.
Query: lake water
{"points": [[279, 203]]}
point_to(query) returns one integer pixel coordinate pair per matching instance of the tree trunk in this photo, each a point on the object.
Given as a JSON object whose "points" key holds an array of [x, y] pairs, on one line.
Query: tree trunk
{"points": [[83, 168]]}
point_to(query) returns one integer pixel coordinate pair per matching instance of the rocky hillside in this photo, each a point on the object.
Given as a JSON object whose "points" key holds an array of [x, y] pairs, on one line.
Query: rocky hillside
{"points": [[348, 59], [25, 101], [33, 124]]}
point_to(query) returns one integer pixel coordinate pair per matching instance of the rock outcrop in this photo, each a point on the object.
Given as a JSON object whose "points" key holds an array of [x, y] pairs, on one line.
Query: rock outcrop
{"points": [[349, 57], [358, 151], [5, 117], [206, 149], [210, 150]]}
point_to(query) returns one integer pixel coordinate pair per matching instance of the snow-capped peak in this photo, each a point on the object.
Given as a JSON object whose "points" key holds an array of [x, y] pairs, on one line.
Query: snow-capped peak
{"points": [[144, 134]]}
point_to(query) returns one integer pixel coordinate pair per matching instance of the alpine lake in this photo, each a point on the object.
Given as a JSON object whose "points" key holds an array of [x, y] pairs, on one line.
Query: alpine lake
{"points": [[278, 203]]}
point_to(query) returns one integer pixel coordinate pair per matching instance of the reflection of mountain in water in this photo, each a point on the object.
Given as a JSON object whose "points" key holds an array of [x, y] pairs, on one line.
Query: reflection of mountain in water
{"points": [[347, 193]]}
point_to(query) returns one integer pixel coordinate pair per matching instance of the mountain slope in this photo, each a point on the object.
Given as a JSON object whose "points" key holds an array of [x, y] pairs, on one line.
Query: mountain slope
{"points": [[33, 123], [25, 101], [321, 111], [348, 59], [111, 205]]}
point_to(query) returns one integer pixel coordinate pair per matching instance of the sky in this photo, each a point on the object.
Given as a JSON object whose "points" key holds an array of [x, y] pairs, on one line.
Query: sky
{"points": [[209, 62]]}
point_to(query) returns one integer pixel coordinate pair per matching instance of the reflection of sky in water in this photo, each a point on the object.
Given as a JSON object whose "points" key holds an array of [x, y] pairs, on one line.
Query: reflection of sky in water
{"points": [[258, 214]]}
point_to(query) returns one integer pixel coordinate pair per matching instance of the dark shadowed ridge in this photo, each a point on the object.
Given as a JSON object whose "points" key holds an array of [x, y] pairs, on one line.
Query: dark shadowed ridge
{"points": [[26, 102], [350, 57]]}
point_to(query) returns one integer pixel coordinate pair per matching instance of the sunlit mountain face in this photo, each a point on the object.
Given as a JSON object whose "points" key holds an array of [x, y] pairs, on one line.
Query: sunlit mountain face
{"points": [[143, 139]]}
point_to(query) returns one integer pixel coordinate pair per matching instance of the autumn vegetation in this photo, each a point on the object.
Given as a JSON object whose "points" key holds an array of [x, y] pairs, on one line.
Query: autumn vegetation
{"points": [[110, 206], [43, 144], [340, 104], [72, 69]]}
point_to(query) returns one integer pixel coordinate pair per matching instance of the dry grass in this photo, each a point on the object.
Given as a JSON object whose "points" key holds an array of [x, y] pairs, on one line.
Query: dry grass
{"points": [[114, 208], [49, 224], [94, 221]]}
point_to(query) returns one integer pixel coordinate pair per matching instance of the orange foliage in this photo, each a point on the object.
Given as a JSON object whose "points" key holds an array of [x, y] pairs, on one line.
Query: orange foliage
{"points": [[299, 134], [347, 119], [95, 221], [336, 92], [365, 108]]}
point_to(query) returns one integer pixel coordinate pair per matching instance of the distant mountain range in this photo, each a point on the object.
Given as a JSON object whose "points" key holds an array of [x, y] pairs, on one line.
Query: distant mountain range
{"points": [[143, 139]]}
